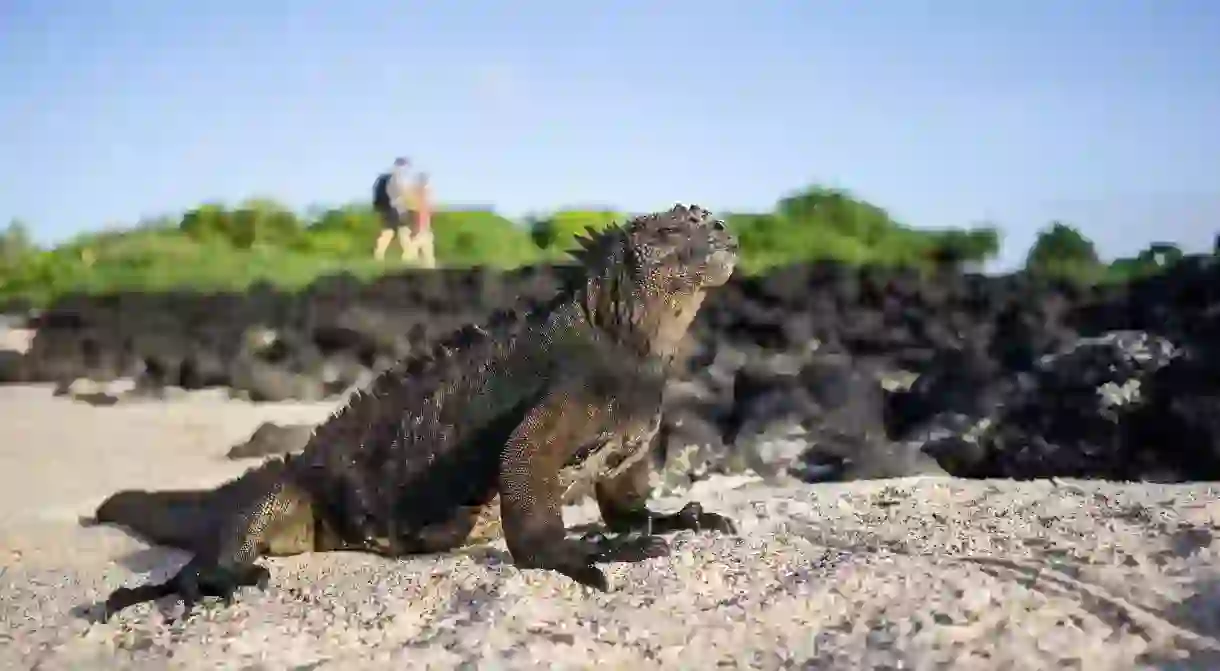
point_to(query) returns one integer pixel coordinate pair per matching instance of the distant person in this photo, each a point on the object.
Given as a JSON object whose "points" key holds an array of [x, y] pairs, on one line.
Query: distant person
{"points": [[418, 246], [390, 196]]}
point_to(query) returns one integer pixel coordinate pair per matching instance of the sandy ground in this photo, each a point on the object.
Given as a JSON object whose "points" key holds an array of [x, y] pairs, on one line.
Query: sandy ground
{"points": [[16, 339], [912, 573]]}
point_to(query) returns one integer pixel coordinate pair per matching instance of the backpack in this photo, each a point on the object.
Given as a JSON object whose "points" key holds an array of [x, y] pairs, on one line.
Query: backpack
{"points": [[381, 192]]}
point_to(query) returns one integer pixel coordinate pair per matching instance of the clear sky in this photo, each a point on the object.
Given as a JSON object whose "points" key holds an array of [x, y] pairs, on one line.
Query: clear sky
{"points": [[1103, 112]]}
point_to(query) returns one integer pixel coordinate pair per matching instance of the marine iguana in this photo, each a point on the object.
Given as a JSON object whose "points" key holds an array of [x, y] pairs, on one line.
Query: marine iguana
{"points": [[477, 437]]}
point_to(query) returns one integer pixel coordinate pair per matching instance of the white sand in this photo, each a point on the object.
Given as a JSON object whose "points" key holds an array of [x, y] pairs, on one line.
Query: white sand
{"points": [[915, 574], [16, 339]]}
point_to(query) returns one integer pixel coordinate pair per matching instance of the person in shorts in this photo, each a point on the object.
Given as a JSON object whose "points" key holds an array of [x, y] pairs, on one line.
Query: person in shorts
{"points": [[417, 245], [390, 201]]}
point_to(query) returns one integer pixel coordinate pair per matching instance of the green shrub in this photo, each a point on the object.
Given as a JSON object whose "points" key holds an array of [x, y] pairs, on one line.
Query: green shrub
{"points": [[214, 246], [556, 234], [481, 238]]}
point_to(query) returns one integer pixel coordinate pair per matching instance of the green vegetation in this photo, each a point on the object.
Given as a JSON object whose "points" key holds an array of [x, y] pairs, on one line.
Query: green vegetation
{"points": [[216, 247]]}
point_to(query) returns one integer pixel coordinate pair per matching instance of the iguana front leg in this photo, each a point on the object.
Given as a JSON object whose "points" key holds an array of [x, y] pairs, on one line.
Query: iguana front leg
{"points": [[623, 502], [280, 521], [530, 497]]}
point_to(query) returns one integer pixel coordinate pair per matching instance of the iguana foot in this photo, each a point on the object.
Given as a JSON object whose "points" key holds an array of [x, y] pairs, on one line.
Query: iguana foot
{"points": [[192, 583], [628, 547], [587, 575], [573, 558], [693, 518]]}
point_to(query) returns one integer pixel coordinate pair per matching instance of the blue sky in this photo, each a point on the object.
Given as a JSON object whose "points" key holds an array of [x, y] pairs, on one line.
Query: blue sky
{"points": [[1105, 113]]}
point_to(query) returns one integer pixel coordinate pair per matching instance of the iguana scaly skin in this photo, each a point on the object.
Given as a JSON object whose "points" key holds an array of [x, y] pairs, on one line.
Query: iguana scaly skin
{"points": [[476, 438]]}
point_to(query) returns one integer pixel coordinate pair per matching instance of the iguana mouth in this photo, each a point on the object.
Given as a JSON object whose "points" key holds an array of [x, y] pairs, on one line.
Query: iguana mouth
{"points": [[722, 260], [720, 266]]}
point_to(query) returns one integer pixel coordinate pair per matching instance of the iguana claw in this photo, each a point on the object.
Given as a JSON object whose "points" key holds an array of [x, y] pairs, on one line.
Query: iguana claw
{"points": [[693, 518], [628, 547], [191, 583]]}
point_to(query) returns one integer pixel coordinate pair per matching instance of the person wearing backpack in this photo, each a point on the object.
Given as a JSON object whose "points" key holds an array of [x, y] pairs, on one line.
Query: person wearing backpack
{"points": [[390, 196]]}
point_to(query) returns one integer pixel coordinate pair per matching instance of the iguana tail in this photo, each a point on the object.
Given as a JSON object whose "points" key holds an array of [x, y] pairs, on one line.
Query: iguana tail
{"points": [[177, 518], [227, 528]]}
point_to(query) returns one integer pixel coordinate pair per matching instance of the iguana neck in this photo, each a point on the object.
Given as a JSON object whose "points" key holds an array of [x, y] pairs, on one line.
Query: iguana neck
{"points": [[650, 323]]}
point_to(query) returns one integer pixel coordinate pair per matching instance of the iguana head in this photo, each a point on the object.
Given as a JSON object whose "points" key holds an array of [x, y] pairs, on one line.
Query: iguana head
{"points": [[650, 274], [678, 251]]}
